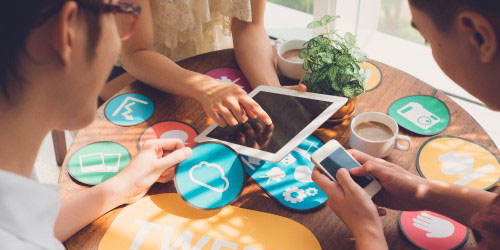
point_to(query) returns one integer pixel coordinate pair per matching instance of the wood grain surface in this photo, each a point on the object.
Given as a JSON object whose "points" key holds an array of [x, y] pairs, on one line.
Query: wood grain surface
{"points": [[329, 230]]}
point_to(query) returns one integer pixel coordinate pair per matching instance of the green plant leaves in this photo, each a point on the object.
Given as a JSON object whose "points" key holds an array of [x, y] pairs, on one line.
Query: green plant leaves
{"points": [[326, 58], [331, 62], [350, 39], [359, 56], [314, 25], [325, 20]]}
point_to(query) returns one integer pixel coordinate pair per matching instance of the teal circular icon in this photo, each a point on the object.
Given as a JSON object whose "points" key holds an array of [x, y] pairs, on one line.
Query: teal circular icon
{"points": [[211, 178], [97, 162], [421, 114], [129, 109]]}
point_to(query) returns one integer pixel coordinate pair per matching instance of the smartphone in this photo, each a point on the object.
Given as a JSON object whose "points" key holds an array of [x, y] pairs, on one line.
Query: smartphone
{"points": [[332, 156]]}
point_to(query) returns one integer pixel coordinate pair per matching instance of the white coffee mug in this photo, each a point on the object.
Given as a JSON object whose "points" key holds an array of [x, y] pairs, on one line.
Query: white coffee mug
{"points": [[379, 149], [290, 69]]}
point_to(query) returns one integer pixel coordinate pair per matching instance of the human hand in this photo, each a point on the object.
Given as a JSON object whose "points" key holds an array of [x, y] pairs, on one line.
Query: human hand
{"points": [[349, 202], [401, 190], [229, 104], [299, 87], [154, 162], [255, 135]]}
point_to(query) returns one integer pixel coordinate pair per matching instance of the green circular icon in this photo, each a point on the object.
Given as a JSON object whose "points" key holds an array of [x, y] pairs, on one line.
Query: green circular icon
{"points": [[97, 162], [421, 114]]}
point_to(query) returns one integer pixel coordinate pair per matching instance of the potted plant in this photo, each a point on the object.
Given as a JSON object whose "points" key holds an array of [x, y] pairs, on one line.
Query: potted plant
{"points": [[331, 64]]}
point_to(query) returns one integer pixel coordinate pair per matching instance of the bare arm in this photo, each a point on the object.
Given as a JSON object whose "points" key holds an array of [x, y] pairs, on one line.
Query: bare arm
{"points": [[145, 64], [154, 162], [84, 207], [253, 50], [225, 103], [444, 198], [404, 191]]}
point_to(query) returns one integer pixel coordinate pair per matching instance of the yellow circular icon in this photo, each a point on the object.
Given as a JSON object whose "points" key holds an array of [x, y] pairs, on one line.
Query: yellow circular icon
{"points": [[459, 161], [373, 75]]}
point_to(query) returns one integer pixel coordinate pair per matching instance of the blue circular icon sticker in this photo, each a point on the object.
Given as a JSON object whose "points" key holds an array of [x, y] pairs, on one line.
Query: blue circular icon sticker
{"points": [[289, 181], [212, 177], [129, 109], [421, 114]]}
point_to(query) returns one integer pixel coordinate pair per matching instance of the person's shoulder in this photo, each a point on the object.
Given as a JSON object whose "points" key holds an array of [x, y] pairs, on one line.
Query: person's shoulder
{"points": [[11, 241]]}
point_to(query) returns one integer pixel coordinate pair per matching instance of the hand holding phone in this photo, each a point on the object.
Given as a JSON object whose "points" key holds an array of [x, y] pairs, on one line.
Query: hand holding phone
{"points": [[332, 156]]}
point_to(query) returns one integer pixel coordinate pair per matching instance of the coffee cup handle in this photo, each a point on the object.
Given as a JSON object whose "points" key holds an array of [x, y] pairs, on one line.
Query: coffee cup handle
{"points": [[403, 138], [277, 43]]}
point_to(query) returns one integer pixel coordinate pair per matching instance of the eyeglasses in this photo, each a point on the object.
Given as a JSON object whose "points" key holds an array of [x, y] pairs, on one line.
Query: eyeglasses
{"points": [[125, 14]]}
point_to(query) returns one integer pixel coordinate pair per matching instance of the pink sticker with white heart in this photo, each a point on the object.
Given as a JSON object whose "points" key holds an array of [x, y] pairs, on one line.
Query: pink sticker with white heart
{"points": [[230, 75], [429, 230]]}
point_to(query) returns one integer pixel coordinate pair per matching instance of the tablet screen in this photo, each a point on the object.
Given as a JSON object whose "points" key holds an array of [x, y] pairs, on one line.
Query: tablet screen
{"points": [[290, 115]]}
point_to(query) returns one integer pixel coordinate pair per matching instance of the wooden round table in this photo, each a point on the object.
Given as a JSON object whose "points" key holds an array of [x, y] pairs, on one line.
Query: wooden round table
{"points": [[326, 226]]}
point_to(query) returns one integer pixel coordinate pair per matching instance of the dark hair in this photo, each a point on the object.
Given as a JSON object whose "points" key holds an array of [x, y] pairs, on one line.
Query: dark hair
{"points": [[20, 17], [443, 12]]}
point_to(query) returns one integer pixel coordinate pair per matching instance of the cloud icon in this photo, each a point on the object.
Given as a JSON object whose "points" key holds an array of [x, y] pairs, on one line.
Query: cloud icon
{"points": [[209, 165]]}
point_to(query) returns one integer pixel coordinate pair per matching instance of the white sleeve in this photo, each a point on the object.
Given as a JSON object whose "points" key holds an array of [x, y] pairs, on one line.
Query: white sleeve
{"points": [[10, 241]]}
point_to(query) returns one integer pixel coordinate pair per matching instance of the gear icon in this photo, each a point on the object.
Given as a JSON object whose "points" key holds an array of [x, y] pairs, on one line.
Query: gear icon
{"points": [[311, 191], [299, 196]]}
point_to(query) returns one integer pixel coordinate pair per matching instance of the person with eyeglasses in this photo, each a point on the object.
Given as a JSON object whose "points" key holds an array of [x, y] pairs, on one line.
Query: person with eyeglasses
{"points": [[55, 56], [169, 31]]}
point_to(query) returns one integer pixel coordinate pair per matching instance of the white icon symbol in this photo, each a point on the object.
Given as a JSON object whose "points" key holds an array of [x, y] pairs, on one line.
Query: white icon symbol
{"points": [[112, 168], [227, 80], [95, 160], [294, 195], [311, 191], [418, 115], [368, 74], [303, 174], [176, 134], [96, 163], [126, 104], [275, 174], [454, 164], [209, 165], [288, 160], [305, 152], [434, 226], [251, 162], [254, 160]]}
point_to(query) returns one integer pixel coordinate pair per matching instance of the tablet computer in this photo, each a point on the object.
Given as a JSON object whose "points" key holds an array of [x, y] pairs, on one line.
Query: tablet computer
{"points": [[295, 116]]}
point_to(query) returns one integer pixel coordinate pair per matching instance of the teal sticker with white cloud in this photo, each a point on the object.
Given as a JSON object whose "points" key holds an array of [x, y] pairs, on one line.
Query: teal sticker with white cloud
{"points": [[129, 109], [212, 177], [289, 181], [421, 114]]}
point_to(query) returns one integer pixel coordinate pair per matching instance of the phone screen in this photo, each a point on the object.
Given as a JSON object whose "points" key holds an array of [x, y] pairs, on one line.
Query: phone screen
{"points": [[340, 159]]}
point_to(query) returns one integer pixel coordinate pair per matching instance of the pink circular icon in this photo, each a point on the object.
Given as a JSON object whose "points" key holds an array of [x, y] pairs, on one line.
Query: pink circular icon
{"points": [[230, 75], [429, 230], [169, 129]]}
